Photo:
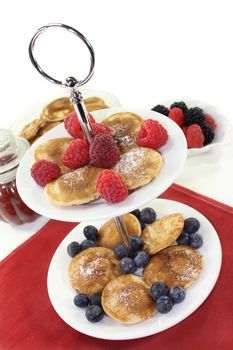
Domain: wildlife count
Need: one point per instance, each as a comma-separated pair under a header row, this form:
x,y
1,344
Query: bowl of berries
x,y
204,127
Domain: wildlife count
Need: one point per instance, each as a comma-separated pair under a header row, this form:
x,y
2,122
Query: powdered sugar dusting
x,y
130,161
93,268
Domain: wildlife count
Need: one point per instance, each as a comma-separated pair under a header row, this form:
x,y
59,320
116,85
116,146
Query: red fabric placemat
x,y
29,322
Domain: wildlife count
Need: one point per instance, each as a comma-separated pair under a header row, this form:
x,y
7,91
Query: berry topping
x,y
90,232
120,251
101,129
177,115
152,134
76,154
191,225
136,213
161,109
73,249
195,240
208,133
136,243
94,313
194,116
148,215
87,243
209,120
73,127
177,294
44,172
127,265
164,304
81,300
104,151
159,289
194,136
180,105
95,299
111,186
184,129
141,259
183,239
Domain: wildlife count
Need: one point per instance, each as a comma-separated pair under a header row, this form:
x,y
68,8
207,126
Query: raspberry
x,y
44,172
177,115
101,129
152,134
180,105
104,151
76,154
73,127
184,129
209,120
111,186
194,136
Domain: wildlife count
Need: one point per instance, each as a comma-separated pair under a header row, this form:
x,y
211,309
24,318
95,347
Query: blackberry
x,y
180,105
208,133
194,116
161,109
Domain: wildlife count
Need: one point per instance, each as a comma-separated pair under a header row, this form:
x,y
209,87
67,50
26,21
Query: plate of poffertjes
x,y
73,197
130,311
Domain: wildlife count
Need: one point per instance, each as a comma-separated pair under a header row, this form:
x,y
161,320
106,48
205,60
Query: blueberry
x,y
95,299
94,313
191,225
131,253
87,243
81,300
148,215
73,249
143,225
177,294
141,259
120,251
195,240
90,232
136,213
183,239
164,304
136,243
159,289
127,265
137,272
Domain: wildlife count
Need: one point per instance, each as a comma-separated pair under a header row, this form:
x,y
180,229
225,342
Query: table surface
x,y
140,64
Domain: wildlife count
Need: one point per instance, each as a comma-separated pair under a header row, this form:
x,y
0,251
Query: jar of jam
x,y
12,209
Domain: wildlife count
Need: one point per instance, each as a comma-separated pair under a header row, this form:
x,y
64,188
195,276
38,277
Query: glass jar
x,y
12,209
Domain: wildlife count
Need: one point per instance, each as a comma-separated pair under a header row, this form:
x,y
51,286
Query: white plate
x,y
174,155
34,111
61,294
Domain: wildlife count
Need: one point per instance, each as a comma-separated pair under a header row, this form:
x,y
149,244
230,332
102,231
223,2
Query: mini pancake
x,y
127,299
176,265
48,126
90,270
30,130
139,166
76,187
52,149
108,234
162,233
124,128
57,110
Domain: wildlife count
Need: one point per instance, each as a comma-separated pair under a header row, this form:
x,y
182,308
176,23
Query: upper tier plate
x,y
174,156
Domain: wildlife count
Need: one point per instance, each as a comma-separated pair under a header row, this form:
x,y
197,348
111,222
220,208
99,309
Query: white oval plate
x,y
174,156
61,293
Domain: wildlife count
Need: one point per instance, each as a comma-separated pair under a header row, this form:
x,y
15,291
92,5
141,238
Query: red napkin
x,y
29,322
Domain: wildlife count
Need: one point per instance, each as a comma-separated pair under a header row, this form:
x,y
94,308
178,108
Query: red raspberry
x,y
152,134
44,172
184,129
104,151
111,186
177,115
73,127
76,154
209,120
101,129
194,136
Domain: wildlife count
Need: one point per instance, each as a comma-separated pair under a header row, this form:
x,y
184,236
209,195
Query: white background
x,y
147,52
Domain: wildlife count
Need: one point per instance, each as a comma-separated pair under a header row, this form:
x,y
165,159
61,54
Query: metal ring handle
x,y
72,30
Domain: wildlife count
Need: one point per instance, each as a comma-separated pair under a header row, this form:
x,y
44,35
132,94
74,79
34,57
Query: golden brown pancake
x,y
76,187
139,166
127,299
162,233
48,126
52,149
57,110
124,128
90,270
30,130
176,265
109,236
